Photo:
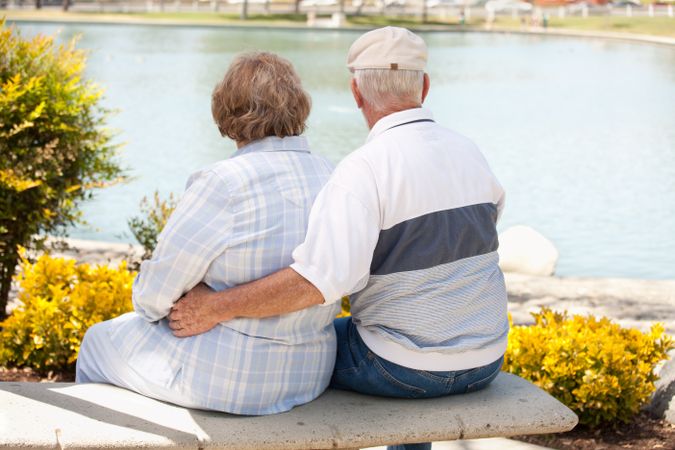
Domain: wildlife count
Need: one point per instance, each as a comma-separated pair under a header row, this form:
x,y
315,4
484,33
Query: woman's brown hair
x,y
260,95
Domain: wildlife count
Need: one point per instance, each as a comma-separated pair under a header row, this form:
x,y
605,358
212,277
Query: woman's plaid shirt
x,y
238,220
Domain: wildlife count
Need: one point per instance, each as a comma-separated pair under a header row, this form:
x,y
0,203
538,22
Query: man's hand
x,y
195,312
282,292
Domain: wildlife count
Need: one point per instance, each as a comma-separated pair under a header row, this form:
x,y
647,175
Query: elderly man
x,y
406,226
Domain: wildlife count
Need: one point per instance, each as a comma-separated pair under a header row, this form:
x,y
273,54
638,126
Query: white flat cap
x,y
388,48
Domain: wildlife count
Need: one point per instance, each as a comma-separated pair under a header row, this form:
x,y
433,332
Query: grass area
x,y
173,17
402,21
224,17
300,19
655,26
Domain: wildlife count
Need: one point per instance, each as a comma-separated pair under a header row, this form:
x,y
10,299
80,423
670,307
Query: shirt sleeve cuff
x,y
313,275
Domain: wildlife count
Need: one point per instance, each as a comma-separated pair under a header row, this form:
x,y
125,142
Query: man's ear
x,y
357,95
425,87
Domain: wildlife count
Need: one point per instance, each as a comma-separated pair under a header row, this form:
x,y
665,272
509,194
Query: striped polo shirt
x,y
406,225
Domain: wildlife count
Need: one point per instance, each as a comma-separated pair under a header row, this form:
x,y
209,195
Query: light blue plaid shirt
x,y
238,220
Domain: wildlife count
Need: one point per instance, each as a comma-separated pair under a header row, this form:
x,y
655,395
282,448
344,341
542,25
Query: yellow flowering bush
x,y
60,300
345,308
601,371
55,148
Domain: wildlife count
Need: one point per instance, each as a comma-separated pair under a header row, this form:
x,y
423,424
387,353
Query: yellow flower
x,y
602,371
59,302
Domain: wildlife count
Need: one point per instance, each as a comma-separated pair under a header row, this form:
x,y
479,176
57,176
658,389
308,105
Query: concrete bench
x,y
65,415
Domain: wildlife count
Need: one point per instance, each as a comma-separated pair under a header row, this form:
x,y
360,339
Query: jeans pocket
x,y
346,371
483,382
344,378
401,388
445,378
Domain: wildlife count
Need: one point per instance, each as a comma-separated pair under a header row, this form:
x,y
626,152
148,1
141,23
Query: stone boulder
x,y
662,404
524,250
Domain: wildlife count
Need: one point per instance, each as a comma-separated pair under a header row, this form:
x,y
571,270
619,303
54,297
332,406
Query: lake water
x,y
580,132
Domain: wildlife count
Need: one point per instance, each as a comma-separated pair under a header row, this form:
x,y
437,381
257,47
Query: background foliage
x,y
147,227
54,148
59,302
601,371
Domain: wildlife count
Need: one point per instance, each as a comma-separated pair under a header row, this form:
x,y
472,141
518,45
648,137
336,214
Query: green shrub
x,y
53,148
601,371
59,302
146,228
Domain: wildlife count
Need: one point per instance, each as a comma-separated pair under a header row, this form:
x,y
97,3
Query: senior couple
x,y
235,310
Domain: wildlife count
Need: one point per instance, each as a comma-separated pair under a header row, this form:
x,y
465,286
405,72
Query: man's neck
x,y
372,116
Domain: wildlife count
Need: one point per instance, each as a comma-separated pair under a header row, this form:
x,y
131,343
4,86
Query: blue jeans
x,y
359,369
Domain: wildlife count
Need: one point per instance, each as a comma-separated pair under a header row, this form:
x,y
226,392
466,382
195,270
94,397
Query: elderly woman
x,y
238,220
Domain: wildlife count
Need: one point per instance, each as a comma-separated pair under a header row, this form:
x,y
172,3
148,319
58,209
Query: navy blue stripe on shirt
x,y
437,238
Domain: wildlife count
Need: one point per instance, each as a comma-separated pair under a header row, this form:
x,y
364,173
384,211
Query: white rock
x,y
524,250
662,404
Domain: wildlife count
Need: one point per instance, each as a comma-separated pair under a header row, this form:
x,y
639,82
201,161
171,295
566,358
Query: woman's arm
x,y
194,236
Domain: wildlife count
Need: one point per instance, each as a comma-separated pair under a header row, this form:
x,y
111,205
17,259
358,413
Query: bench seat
x,y
85,416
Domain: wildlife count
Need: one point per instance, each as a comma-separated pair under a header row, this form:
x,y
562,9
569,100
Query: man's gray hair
x,y
385,89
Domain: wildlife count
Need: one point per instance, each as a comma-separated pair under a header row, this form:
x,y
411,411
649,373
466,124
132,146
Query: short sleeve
x,y
344,226
500,204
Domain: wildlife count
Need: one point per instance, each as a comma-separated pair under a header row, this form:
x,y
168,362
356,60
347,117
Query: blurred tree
x,y
244,10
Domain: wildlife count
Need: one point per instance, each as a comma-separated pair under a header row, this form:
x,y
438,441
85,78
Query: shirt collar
x,y
275,144
398,118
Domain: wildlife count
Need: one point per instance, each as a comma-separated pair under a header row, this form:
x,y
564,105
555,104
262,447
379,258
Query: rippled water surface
x,y
580,132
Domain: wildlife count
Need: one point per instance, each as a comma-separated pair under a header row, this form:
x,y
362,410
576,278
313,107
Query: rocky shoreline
x,y
631,302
